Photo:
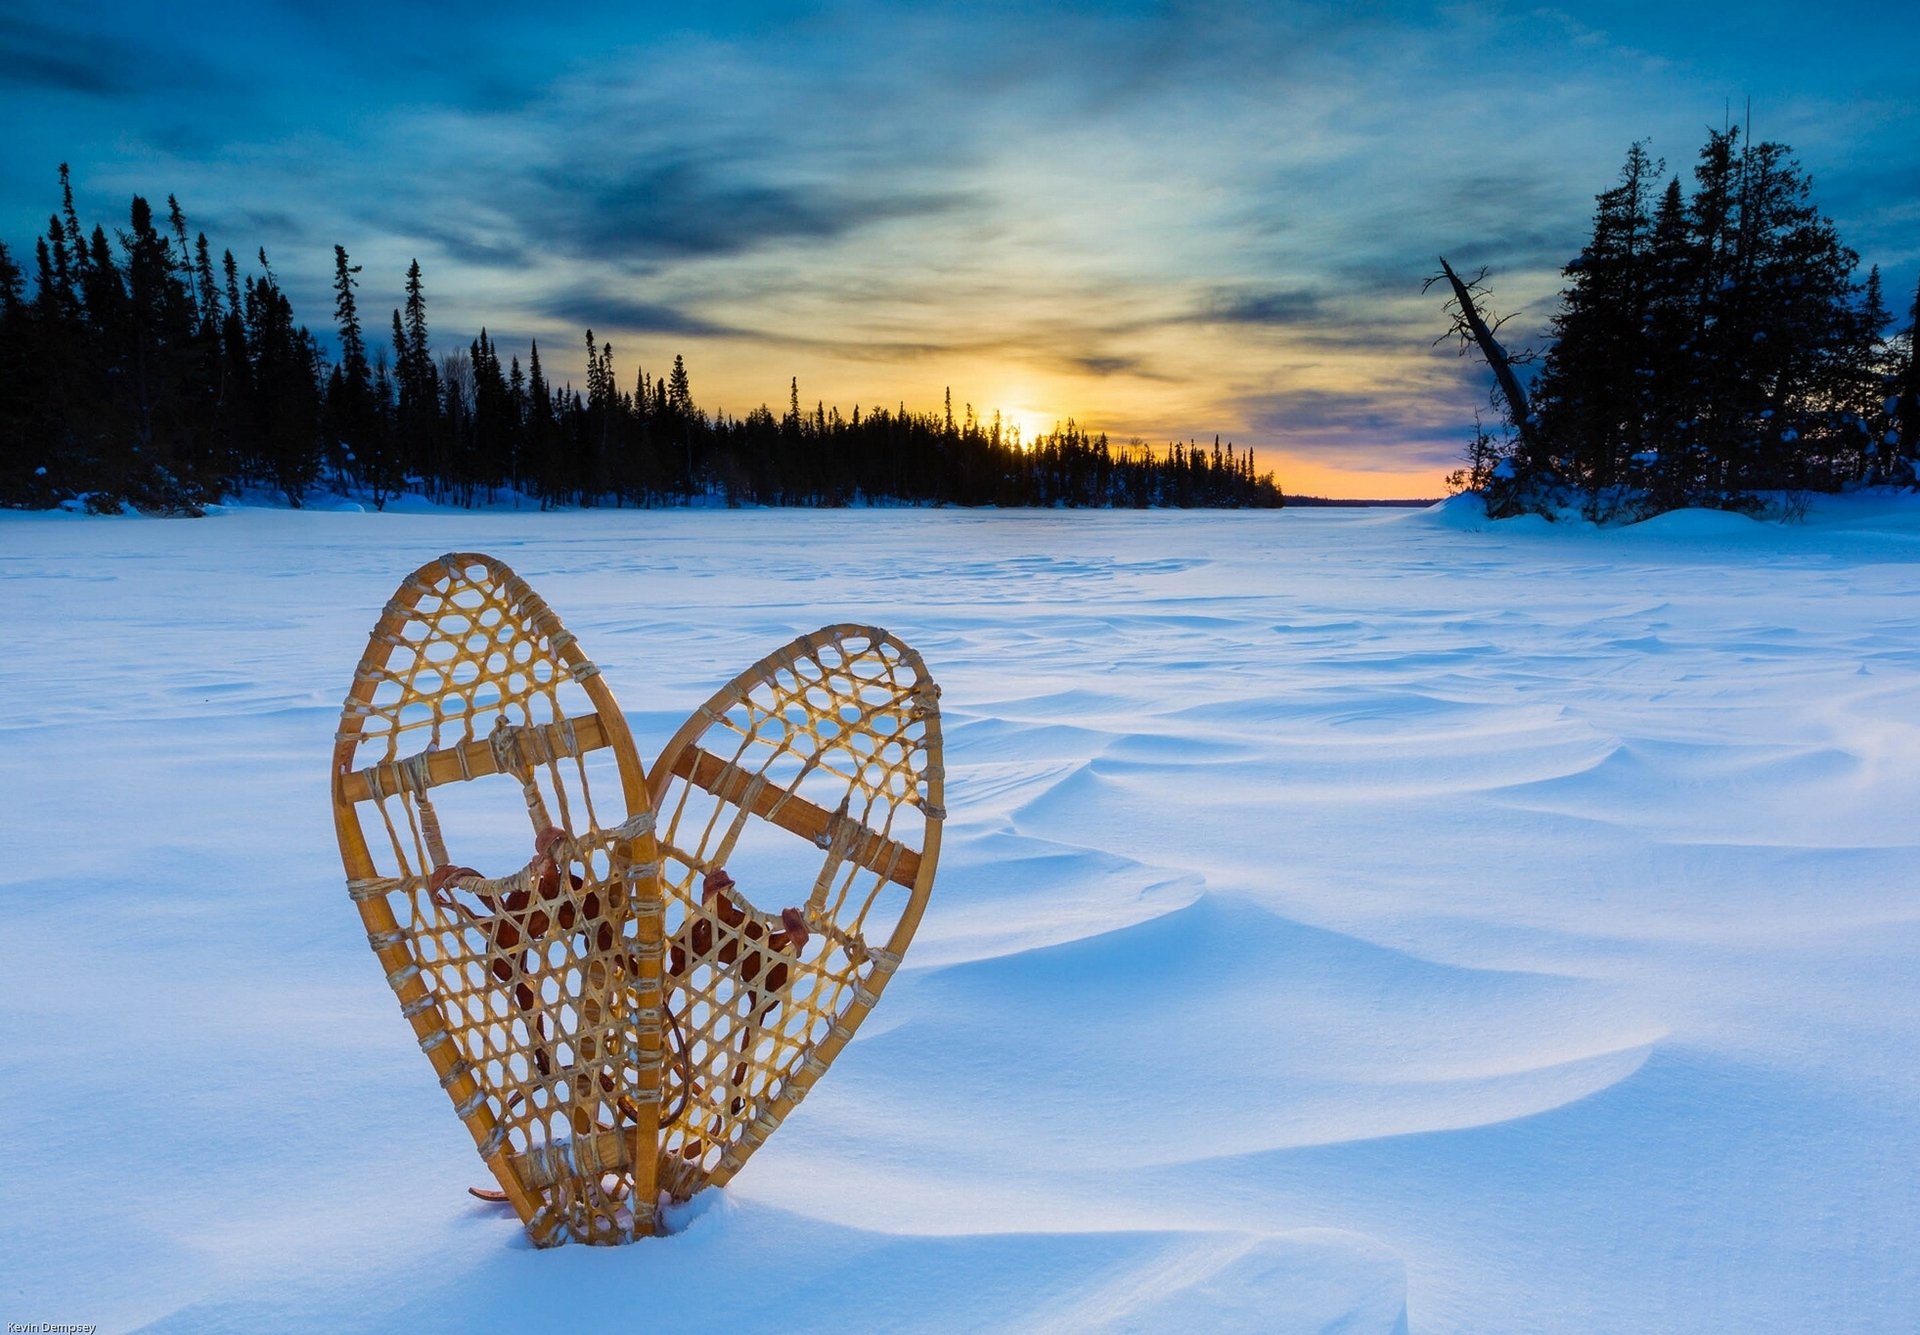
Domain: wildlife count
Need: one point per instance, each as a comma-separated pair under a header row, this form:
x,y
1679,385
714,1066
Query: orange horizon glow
x,y
1344,413
1020,403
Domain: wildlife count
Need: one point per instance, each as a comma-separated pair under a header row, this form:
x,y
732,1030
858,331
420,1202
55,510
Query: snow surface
x,y
1348,921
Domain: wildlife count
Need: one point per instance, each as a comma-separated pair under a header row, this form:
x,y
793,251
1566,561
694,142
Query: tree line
x,y
138,370
1709,346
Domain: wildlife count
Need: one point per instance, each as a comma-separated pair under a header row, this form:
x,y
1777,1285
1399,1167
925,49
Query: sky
x,y
1164,221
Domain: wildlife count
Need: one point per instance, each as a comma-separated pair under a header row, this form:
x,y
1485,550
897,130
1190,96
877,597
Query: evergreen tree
x,y
148,373
1707,348
1592,398
1673,466
182,254
460,471
418,419
361,449
21,475
679,388
543,435
492,415
67,225
353,347
1900,443
285,396
206,287
159,360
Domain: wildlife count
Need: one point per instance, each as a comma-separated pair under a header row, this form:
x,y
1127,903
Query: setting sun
x,y
1031,424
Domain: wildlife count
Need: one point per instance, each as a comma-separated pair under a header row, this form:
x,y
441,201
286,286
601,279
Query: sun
x,y
1031,423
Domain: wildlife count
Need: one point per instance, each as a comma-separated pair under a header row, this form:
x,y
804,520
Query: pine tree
x,y
183,255
419,424
22,478
350,415
1902,438
1710,349
207,288
517,425
492,414
542,432
1592,398
383,473
460,469
232,272
68,224
679,388
1860,413
353,347
1673,467
157,362
285,392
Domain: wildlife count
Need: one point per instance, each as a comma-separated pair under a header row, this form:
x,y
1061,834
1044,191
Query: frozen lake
x,y
1347,920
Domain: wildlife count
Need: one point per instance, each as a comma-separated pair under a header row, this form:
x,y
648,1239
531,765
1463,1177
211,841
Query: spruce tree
x,y
285,390
1902,438
1673,467
156,361
680,388
419,416
183,255
1712,349
360,452
22,477
207,289
542,433
353,347
1592,397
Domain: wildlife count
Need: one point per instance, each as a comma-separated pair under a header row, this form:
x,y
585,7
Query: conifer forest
x,y
137,369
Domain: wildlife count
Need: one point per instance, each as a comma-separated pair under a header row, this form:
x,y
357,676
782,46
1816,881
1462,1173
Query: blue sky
x,y
1163,220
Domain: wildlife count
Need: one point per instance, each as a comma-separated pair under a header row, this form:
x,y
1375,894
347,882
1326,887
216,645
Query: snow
x,y
1359,921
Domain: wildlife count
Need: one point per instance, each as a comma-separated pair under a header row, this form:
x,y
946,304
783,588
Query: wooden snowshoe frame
x,y
829,750
529,992
615,1019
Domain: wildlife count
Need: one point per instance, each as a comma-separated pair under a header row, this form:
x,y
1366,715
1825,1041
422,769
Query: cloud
x,y
1285,307
475,248
597,308
1106,365
685,208
43,68
54,58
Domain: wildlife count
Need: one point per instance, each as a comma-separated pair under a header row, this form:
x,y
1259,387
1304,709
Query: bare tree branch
x,y
1470,327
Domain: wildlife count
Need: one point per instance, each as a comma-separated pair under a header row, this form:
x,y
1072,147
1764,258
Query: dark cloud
x,y
1052,349
598,308
1358,429
479,249
1272,306
302,261
685,208
1106,365
67,74
54,58
1320,412
1346,320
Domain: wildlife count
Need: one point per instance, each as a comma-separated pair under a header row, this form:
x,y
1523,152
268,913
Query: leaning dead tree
x,y
1471,328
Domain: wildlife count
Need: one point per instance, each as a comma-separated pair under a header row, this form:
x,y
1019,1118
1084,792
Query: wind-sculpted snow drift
x,y
1349,921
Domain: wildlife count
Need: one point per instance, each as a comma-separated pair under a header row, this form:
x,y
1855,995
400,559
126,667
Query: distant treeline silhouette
x,y
1708,347
146,373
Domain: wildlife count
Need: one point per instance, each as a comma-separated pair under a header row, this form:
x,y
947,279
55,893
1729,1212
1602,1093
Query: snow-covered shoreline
x,y
1371,920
